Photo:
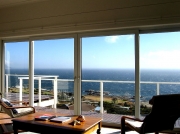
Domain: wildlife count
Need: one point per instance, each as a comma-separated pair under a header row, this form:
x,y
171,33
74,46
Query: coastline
x,y
120,100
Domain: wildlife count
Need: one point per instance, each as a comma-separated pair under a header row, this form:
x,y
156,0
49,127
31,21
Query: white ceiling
x,y
7,3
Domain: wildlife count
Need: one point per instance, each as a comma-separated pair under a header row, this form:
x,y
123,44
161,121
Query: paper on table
x,y
60,119
45,117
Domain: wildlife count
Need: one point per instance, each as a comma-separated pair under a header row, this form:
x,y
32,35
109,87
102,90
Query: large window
x,y
16,66
108,66
53,72
54,60
160,66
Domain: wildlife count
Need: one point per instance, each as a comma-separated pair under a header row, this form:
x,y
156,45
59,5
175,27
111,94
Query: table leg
x,y
99,128
15,129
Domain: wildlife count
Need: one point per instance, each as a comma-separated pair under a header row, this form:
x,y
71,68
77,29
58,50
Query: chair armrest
x,y
124,123
131,118
17,102
16,107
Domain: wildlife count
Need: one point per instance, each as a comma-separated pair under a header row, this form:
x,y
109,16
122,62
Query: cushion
x,y
22,110
3,99
9,105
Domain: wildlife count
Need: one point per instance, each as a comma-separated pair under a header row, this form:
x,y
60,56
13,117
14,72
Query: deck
x,y
109,118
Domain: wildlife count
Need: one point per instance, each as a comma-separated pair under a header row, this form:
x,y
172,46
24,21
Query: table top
x,y
89,121
5,121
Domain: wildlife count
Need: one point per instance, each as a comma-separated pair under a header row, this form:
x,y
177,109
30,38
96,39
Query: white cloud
x,y
112,39
7,64
129,37
161,59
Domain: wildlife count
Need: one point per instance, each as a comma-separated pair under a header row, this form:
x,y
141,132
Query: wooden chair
x,y
16,110
165,111
13,110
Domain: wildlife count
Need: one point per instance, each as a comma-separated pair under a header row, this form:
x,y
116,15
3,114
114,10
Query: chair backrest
x,y
165,111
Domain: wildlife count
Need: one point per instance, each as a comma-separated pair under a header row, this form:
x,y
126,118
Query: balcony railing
x,y
53,78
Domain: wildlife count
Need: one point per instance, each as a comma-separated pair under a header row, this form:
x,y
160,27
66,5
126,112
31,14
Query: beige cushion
x,y
20,110
134,123
23,111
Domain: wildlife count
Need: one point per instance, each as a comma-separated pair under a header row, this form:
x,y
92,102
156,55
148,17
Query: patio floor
x,y
109,118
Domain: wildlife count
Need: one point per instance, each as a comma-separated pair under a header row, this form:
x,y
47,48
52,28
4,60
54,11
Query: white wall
x,y
64,16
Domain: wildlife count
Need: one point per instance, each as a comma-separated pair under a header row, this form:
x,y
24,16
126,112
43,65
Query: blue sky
x,y
161,50
157,51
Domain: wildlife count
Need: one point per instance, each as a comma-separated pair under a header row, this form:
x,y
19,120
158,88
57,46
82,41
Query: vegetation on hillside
x,y
113,105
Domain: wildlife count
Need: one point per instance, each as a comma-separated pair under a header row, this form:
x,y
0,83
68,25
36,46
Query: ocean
x,y
115,89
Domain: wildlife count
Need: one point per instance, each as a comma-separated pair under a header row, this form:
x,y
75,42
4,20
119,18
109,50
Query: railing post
x,y
157,90
39,91
6,83
101,97
20,89
55,92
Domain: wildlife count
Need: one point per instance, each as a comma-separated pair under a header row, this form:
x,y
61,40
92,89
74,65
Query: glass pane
x,y
108,65
160,66
54,59
16,66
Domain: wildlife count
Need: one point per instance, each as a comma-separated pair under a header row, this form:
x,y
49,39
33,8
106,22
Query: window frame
x,y
78,57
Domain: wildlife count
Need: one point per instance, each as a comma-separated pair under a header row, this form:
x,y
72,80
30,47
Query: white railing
x,y
55,81
128,82
52,102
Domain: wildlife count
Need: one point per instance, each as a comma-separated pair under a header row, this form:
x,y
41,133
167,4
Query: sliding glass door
x,y
108,69
54,70
160,66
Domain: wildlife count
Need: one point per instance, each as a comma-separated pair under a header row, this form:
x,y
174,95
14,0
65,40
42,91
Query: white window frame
x,y
77,61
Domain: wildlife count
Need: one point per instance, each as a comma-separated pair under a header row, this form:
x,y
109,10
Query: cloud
x,y
161,59
7,64
112,39
129,37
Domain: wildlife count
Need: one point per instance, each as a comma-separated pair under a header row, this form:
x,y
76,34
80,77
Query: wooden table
x,y
28,123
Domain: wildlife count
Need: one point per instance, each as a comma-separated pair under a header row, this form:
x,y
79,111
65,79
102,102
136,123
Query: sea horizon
x,y
115,89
